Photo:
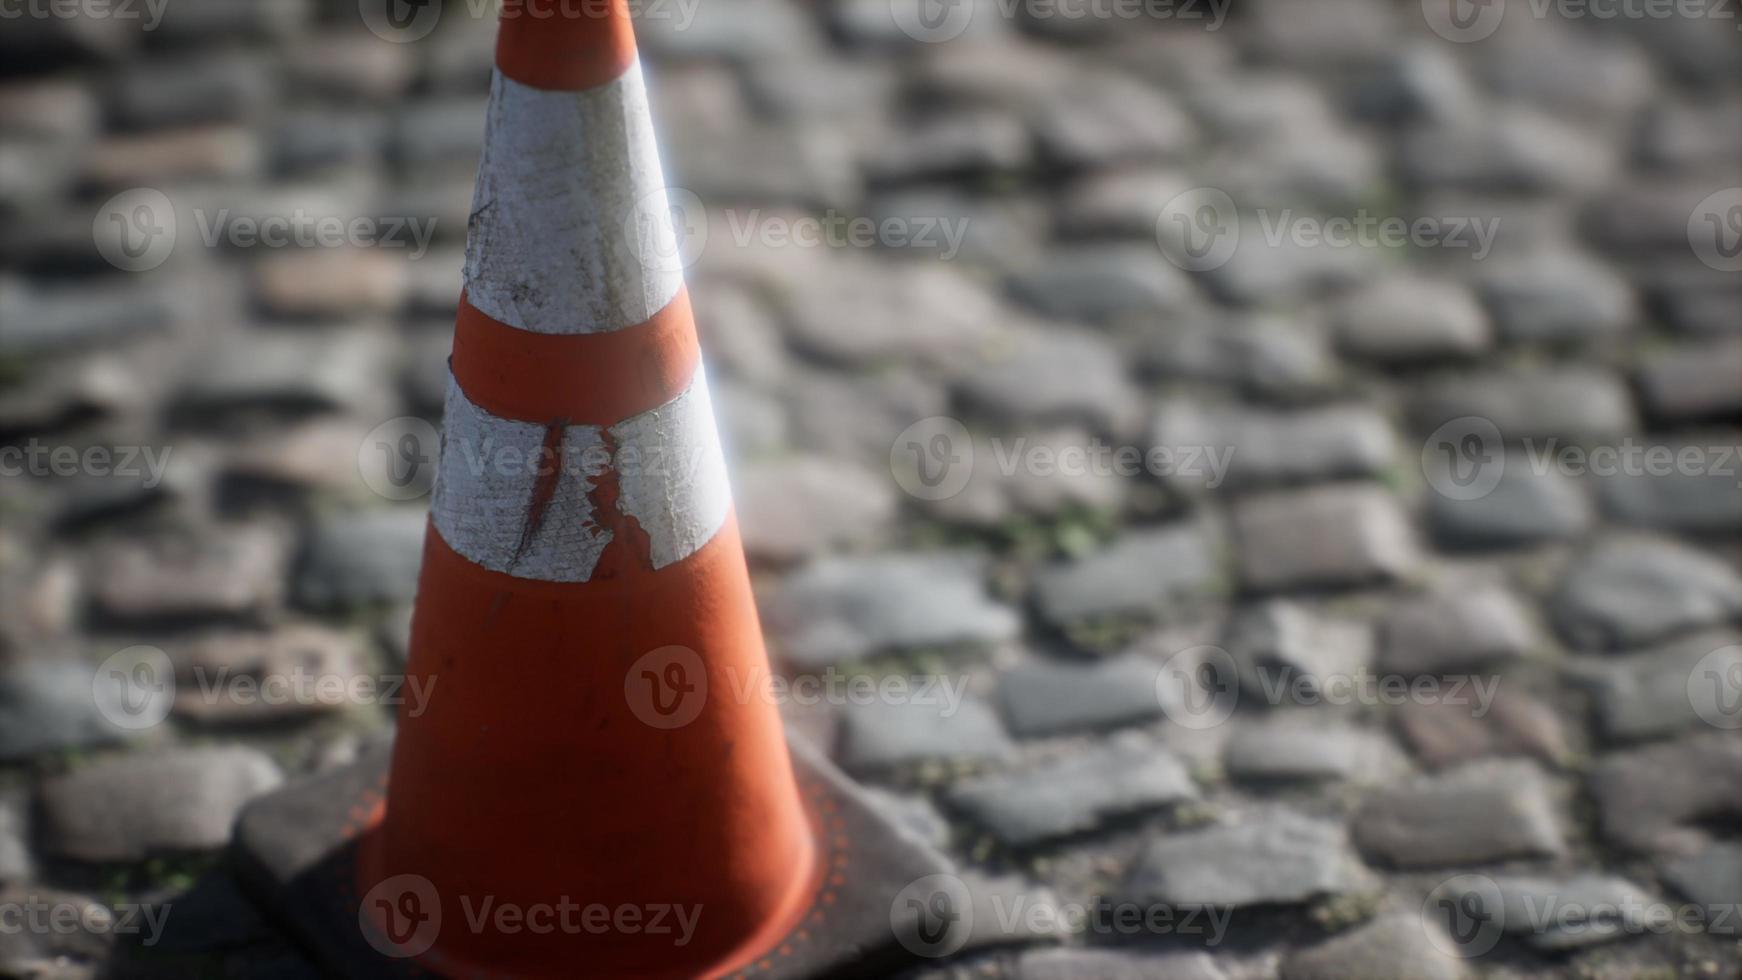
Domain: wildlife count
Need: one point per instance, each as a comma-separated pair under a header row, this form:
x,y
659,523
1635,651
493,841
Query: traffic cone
x,y
587,760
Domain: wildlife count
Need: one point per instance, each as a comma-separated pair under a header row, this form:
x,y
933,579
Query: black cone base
x,y
296,855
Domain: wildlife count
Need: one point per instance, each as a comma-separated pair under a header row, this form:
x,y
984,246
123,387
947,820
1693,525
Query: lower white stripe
x,y
570,231
667,463
482,500
679,496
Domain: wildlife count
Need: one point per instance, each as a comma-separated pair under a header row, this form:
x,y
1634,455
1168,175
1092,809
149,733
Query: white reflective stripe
x,y
570,230
670,473
678,491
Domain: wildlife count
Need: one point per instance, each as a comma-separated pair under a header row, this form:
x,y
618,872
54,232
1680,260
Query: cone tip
x,y
565,45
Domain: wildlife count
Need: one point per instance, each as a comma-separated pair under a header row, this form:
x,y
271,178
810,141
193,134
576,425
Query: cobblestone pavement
x,y
1242,481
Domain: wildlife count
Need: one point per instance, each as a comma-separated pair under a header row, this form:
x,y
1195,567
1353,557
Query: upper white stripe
x,y
670,473
570,230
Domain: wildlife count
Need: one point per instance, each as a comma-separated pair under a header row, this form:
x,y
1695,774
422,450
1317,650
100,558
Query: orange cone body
x,y
581,523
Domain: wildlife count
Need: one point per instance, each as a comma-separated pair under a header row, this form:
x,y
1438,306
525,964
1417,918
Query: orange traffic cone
x,y
587,791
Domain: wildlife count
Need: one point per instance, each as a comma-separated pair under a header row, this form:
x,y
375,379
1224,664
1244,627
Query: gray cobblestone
x,y
1478,814
1631,591
1075,793
1331,536
1269,858
126,808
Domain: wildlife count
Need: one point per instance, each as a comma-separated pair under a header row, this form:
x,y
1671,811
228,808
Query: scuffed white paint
x,y
670,472
482,500
677,491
